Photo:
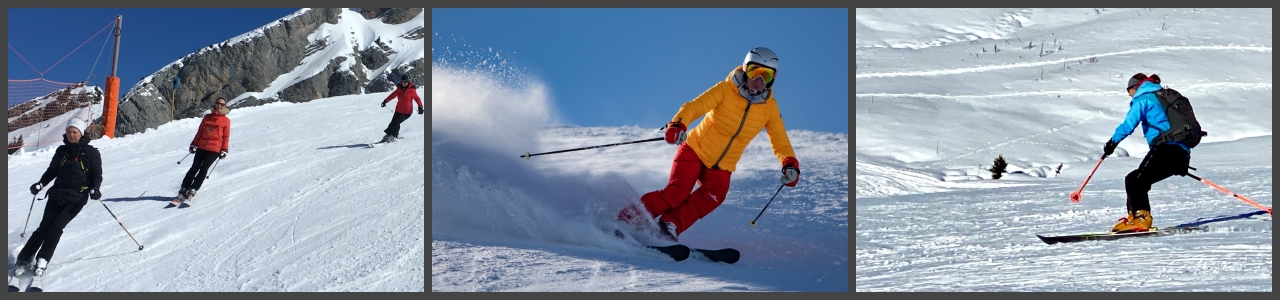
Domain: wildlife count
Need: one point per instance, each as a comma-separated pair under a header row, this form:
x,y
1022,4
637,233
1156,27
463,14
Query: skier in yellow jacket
x,y
736,110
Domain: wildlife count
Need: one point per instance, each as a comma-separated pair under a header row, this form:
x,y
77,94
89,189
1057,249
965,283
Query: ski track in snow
x,y
919,242
1057,61
289,210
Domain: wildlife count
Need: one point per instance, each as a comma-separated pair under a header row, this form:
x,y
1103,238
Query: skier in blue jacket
x,y
1163,160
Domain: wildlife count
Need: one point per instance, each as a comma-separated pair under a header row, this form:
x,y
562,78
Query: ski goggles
x,y
754,70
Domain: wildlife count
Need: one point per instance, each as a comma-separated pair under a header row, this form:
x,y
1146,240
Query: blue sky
x,y
151,39
615,67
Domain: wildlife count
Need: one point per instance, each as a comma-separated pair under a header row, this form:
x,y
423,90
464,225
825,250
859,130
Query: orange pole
x,y
1238,196
1075,196
113,87
109,107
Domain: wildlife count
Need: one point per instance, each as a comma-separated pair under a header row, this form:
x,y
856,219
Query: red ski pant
x,y
675,203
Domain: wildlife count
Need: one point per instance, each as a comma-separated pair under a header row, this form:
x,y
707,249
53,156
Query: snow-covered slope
x,y
503,223
300,204
932,80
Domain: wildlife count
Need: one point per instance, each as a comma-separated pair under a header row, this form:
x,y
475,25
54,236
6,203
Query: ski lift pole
x,y
172,94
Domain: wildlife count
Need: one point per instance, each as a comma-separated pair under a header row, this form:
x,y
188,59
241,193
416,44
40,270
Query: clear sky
x,y
151,38
616,67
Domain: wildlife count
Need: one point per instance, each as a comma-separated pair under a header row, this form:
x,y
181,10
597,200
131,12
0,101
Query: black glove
x,y
1108,148
223,155
192,149
35,188
384,104
420,110
96,194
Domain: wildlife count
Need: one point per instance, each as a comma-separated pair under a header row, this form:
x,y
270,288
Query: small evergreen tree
x,y
997,167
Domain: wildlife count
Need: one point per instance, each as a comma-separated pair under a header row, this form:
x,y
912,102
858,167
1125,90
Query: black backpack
x,y
1183,127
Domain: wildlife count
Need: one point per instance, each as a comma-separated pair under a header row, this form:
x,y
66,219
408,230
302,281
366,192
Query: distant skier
x,y
1166,158
209,145
736,110
78,170
403,93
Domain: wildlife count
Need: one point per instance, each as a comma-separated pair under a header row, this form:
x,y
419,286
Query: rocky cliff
x,y
308,55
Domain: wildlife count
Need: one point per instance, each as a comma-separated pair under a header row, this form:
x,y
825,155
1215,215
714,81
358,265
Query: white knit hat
x,y
78,124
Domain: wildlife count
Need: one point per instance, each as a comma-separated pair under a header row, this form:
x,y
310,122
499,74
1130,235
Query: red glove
x,y
790,171
675,133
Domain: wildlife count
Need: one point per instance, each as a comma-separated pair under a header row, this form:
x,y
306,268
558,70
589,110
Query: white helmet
x,y
761,56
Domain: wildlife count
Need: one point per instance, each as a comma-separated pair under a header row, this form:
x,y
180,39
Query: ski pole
x,y
1075,196
29,209
766,206
126,230
526,155
33,206
184,157
215,166
1238,196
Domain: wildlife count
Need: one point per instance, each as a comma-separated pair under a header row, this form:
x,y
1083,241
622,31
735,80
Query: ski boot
x,y
19,268
668,230
1135,222
186,197
178,200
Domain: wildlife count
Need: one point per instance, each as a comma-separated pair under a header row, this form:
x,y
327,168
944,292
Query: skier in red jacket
x,y
210,144
405,91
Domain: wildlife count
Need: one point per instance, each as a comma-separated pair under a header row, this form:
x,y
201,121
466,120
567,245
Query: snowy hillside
x,y
936,103
503,223
45,132
300,204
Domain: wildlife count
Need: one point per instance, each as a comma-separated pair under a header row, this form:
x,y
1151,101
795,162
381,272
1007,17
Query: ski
x,y
677,252
15,279
1197,225
34,287
681,252
1108,236
726,255
174,203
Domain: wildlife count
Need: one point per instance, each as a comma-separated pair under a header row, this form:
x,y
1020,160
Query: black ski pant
x,y
199,168
394,128
45,238
1163,161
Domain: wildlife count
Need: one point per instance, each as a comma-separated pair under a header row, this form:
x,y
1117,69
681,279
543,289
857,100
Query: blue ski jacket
x,y
1146,109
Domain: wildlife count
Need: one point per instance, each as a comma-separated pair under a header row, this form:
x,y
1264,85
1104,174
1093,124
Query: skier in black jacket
x,y
78,170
